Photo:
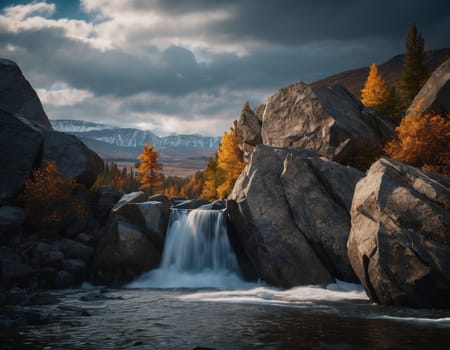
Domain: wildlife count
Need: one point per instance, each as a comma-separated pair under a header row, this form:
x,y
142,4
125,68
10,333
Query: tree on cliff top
x,y
414,72
149,175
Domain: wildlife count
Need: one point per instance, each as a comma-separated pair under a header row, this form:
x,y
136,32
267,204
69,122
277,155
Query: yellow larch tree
x,y
229,158
375,92
213,177
149,171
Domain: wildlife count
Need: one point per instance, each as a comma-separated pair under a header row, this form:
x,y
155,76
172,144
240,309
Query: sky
x,y
188,66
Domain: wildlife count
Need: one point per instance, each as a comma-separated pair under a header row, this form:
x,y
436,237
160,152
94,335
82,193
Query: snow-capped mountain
x,y
129,137
69,126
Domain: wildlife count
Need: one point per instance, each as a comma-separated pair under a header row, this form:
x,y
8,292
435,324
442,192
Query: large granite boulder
x,y
26,144
289,210
21,151
399,244
435,94
328,121
18,97
73,158
27,138
134,239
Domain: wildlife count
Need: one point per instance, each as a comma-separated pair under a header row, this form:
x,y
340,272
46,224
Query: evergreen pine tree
x,y
414,72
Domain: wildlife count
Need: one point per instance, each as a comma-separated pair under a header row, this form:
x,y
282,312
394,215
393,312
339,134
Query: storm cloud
x,y
188,66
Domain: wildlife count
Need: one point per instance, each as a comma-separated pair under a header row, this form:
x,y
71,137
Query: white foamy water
x,y
197,254
297,296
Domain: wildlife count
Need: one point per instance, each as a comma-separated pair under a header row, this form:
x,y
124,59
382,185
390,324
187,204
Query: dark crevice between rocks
x,y
318,251
368,283
328,188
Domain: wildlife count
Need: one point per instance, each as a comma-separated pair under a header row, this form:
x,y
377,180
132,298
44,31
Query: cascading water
x,y
197,254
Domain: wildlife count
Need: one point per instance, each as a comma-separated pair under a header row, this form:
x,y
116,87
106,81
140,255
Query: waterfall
x,y
197,254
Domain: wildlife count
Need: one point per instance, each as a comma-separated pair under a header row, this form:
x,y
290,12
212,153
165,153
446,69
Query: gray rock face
x,y
150,217
328,121
248,132
18,97
27,138
258,111
133,197
289,211
399,244
435,94
26,144
73,158
134,239
22,148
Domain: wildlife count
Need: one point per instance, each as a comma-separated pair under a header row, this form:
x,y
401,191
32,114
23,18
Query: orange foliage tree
x,y
213,177
229,158
377,94
423,140
49,199
149,175
375,91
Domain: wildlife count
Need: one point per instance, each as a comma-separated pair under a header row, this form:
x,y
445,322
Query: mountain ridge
x,y
132,137
353,80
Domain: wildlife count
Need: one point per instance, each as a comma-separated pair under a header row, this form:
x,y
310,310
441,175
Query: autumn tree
x,y
423,140
229,158
49,199
149,175
213,177
378,95
414,73
375,91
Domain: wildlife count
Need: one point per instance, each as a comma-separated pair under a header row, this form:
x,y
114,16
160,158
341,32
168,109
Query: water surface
x,y
338,317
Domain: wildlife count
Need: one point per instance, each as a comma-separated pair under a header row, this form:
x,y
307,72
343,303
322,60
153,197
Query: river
x,y
259,317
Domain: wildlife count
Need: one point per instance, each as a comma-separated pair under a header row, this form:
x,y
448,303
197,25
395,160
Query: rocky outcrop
x,y
248,132
45,263
134,239
22,148
328,121
289,210
17,96
26,144
73,158
399,244
27,138
435,94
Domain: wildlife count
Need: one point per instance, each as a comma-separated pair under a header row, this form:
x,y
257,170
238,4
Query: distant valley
x,y
181,155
